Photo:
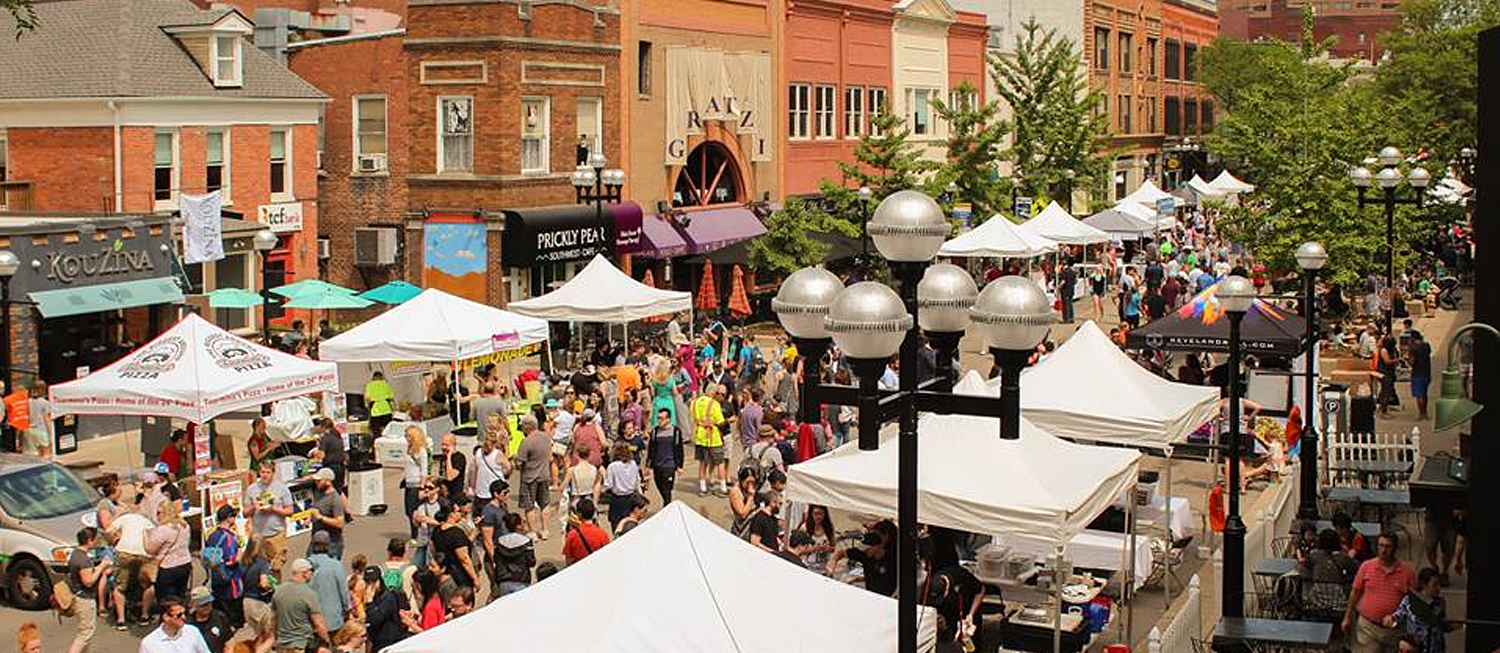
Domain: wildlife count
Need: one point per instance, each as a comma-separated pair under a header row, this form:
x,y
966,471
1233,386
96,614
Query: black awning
x,y
1202,325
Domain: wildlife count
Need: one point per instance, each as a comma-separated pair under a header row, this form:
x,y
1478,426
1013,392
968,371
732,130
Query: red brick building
x,y
1188,110
1357,24
123,106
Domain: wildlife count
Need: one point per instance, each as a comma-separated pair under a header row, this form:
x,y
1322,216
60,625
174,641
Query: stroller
x,y
1448,293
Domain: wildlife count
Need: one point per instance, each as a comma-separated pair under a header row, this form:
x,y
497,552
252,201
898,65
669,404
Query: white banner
x,y
709,85
202,227
282,217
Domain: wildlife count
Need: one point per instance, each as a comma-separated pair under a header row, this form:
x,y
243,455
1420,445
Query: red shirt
x,y
582,540
433,614
173,458
1382,588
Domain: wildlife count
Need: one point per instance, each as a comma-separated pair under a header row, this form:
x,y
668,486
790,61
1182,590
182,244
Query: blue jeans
x,y
508,587
419,556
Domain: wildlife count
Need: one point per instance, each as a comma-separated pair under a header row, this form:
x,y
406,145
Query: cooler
x,y
366,489
390,452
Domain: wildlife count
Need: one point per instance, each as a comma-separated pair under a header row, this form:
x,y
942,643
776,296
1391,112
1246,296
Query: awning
x,y
715,228
107,296
659,239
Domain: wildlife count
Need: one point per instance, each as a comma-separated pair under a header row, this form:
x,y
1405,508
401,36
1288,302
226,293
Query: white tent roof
x,y
1090,390
1202,188
195,371
998,237
434,326
600,292
1226,183
972,480
1147,194
1056,224
688,587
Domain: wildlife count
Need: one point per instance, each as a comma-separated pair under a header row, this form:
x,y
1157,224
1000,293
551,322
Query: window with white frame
x,y
369,127
798,110
854,111
590,127
281,164
164,185
961,101
455,134
823,110
535,134
877,105
919,110
227,64
216,162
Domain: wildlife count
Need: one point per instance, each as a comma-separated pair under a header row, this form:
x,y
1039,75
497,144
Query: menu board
x,y
218,495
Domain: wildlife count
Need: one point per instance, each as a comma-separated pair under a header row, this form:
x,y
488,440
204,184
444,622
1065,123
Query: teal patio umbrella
x,y
306,286
395,292
323,299
234,298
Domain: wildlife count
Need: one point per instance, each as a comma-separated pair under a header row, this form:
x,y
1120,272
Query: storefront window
x,y
710,177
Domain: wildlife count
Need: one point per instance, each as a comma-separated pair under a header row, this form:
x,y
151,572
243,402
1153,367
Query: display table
x,y
1090,549
1154,513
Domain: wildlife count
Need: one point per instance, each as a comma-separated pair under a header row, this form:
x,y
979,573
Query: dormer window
x,y
228,64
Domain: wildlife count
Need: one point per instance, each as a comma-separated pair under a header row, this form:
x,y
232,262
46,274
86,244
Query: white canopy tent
x,y
434,326
195,371
1227,184
1147,194
692,587
1056,224
602,293
1120,224
1203,189
1000,238
1089,390
971,480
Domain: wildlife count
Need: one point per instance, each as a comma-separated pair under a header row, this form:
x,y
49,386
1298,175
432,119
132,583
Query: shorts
x,y
535,494
1419,386
259,617
707,454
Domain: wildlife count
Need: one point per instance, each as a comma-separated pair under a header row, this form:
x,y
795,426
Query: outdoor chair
x,y
1324,601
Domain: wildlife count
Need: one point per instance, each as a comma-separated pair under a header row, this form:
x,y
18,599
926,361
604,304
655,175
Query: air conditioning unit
x,y
372,163
325,249
375,246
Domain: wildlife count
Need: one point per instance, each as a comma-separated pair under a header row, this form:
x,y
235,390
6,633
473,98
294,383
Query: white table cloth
x,y
1152,514
1090,549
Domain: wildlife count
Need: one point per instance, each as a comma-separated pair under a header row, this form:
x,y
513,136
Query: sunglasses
x,y
176,614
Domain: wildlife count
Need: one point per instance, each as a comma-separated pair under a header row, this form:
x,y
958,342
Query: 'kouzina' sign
x,y
67,267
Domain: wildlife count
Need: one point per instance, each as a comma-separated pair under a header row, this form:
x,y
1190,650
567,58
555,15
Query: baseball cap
x,y
200,595
324,474
301,565
150,477
162,468
552,403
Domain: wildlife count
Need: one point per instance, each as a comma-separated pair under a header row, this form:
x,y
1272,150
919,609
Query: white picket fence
x,y
1185,626
1352,447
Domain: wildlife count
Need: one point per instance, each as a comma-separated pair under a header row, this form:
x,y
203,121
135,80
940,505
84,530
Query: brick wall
x,y
250,167
71,169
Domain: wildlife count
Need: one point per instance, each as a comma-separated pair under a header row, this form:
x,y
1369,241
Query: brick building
x,y
119,107
1187,110
1121,42
1357,24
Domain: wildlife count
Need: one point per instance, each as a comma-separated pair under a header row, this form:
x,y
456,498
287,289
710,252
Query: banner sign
x,y
711,85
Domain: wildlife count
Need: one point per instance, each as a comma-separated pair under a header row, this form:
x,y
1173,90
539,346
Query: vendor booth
x,y
1227,184
602,293
1056,224
692,587
998,237
1121,225
1201,325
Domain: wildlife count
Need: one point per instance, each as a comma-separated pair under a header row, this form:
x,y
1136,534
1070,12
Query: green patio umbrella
x,y
327,299
305,286
395,292
234,298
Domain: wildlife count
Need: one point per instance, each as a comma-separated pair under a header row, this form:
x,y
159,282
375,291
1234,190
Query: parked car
x,y
42,507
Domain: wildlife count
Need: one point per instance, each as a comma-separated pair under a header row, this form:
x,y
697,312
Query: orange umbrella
x,y
649,279
708,296
739,300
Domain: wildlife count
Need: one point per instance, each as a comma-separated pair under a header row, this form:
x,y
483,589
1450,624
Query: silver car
x,y
42,507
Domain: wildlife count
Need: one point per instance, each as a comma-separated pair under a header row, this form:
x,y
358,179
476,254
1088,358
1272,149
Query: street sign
x,y
1022,207
963,213
1165,206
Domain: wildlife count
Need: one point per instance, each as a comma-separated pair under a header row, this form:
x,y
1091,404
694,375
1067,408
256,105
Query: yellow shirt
x,y
707,415
378,396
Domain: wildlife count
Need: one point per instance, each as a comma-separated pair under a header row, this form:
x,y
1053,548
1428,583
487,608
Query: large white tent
x,y
1203,189
1226,183
600,292
970,479
1147,194
434,326
998,237
1123,225
1055,224
678,583
1089,390
195,371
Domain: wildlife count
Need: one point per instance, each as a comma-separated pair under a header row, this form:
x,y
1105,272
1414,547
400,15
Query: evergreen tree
x,y
975,137
1059,122
884,159
787,244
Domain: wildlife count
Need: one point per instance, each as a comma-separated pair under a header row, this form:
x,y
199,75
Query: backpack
x,y
757,464
63,601
392,578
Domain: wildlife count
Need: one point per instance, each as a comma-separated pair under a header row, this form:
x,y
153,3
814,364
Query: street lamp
x,y
593,183
1389,179
264,241
1453,408
870,322
1311,257
1235,295
9,264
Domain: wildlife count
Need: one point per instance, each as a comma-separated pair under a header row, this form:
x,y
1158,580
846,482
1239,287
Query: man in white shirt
x,y
174,635
129,532
268,503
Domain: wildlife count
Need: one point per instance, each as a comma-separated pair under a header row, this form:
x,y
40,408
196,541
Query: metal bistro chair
x,y
1164,551
1324,601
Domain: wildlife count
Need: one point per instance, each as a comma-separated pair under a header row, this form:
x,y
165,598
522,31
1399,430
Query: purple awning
x,y
659,239
712,229
627,216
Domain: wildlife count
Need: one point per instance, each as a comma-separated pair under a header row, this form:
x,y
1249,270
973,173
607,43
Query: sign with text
x,y
281,217
730,88
1022,208
1165,206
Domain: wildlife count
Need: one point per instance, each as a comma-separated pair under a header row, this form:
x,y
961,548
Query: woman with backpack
x,y
664,455
382,610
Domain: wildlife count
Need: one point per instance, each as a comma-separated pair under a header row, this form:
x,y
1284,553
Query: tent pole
x,y
1129,592
1057,583
1166,581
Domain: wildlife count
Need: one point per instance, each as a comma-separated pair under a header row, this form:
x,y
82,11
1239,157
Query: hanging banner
x,y
202,227
710,85
336,407
454,257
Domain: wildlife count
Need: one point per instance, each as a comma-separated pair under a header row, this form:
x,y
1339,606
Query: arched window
x,y
709,177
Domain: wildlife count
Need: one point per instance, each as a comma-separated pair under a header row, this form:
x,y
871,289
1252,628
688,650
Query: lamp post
x,y
9,264
1453,408
1235,295
264,241
1389,178
865,195
1311,257
594,184
870,322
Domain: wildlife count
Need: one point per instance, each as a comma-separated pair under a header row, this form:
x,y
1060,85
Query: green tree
x,y
885,160
976,135
1431,75
23,13
1059,124
787,244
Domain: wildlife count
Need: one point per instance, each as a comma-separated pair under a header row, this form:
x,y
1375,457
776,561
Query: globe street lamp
x,y
1389,179
1311,257
870,322
1235,295
594,184
264,241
